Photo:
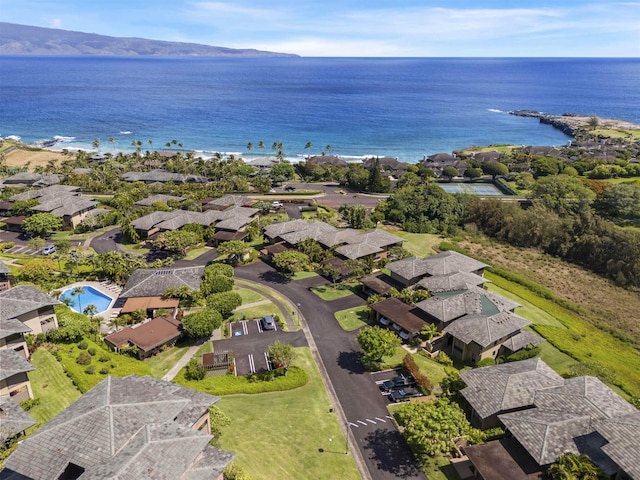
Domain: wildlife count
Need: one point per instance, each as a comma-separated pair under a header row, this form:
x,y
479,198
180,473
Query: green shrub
x,y
234,472
528,352
104,370
218,419
92,351
421,380
193,370
83,345
443,359
91,369
29,403
224,302
104,357
486,362
83,359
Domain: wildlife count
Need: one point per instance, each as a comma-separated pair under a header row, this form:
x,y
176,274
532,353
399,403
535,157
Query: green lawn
x,y
51,385
303,275
256,312
196,252
623,180
248,296
430,368
354,318
560,362
118,365
418,244
341,290
161,363
528,310
280,434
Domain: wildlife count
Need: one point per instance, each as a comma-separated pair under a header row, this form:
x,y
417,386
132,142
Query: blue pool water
x,y
483,190
91,296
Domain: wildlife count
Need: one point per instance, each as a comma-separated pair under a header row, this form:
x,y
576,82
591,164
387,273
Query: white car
x,y
277,205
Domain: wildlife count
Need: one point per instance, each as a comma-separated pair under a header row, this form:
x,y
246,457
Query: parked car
x,y
404,394
289,188
48,250
267,323
398,382
277,205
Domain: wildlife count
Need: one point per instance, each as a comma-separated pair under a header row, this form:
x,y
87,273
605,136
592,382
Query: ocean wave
x,y
13,138
126,132
63,139
494,110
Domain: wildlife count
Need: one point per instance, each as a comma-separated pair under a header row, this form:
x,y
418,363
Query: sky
x,y
358,28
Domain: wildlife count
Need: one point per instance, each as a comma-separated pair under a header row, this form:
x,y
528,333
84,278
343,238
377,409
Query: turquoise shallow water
x,y
399,107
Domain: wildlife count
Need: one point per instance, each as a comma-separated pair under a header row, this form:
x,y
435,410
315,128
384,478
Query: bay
x,y
399,107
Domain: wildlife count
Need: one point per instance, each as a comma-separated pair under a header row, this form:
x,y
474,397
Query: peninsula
x,y
28,40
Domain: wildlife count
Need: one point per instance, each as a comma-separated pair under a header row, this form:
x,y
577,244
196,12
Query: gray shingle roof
x,y
409,268
547,434
451,282
507,386
354,251
585,396
13,363
522,339
13,419
44,192
9,326
485,330
148,221
277,229
622,435
4,269
228,200
122,428
147,282
314,230
450,262
23,299
161,176
337,237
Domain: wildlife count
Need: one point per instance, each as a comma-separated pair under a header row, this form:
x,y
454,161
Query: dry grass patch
x,y
19,158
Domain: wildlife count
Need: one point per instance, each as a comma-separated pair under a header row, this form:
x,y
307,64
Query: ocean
x,y
398,107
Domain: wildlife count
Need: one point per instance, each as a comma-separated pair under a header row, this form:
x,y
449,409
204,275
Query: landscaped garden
x,y
354,318
333,292
295,425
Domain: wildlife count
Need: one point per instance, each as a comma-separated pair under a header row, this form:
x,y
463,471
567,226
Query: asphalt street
x,y
384,449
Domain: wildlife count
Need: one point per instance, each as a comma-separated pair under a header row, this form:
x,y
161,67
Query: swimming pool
x,y
472,189
91,296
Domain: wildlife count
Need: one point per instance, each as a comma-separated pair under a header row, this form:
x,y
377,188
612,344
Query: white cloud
x,y
55,23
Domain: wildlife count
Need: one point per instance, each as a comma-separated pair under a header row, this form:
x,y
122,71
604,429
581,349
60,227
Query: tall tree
x,y
571,466
41,224
281,354
377,342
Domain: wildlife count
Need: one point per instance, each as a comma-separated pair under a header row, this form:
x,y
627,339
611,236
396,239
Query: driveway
x,y
107,242
383,448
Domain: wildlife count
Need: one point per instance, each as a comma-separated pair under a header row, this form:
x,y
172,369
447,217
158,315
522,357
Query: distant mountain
x,y
27,40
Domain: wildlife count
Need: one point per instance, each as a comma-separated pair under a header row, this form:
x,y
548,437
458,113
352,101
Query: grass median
x,y
281,434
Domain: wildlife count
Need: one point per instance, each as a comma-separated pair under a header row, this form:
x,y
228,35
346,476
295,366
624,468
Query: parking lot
x,y
249,344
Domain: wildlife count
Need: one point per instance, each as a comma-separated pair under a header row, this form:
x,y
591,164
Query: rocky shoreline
x,y
569,123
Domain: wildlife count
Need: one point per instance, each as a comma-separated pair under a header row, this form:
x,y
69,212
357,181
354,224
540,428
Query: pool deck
x,y
111,290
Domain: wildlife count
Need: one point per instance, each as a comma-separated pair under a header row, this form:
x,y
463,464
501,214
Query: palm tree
x,y
308,146
77,292
571,466
261,144
96,144
112,141
249,146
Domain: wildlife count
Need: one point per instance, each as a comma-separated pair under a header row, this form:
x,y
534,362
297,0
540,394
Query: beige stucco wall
x,y
33,320
15,342
15,383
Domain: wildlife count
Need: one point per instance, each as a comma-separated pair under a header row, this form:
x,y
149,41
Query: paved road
x,y
384,449
107,241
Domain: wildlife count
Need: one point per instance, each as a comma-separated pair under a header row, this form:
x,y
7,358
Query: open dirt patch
x,y
19,158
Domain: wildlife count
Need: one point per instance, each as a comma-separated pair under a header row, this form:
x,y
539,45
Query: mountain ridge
x,y
16,39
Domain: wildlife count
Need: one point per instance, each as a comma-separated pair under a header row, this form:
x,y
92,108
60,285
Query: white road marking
x,y
252,365
353,425
361,422
378,418
245,329
389,417
371,421
266,359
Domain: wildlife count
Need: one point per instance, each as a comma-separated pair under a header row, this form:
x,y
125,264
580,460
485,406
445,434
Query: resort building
x,y
162,176
24,309
5,271
145,288
409,271
14,382
13,420
147,337
132,427
548,416
160,198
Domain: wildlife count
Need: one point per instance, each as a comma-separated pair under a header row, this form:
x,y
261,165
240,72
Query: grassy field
x,y
418,244
51,386
162,362
256,312
354,318
303,275
248,296
280,434
623,180
432,369
583,341
118,365
341,290
528,310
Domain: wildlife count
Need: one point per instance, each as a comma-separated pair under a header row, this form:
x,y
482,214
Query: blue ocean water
x,y
400,107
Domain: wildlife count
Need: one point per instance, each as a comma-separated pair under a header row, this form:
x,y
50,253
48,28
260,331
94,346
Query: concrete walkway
x,y
171,374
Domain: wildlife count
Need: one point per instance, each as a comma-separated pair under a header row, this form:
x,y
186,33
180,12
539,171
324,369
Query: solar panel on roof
x,y
164,272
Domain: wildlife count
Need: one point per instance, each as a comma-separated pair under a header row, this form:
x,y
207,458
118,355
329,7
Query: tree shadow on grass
x,y
351,361
390,452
